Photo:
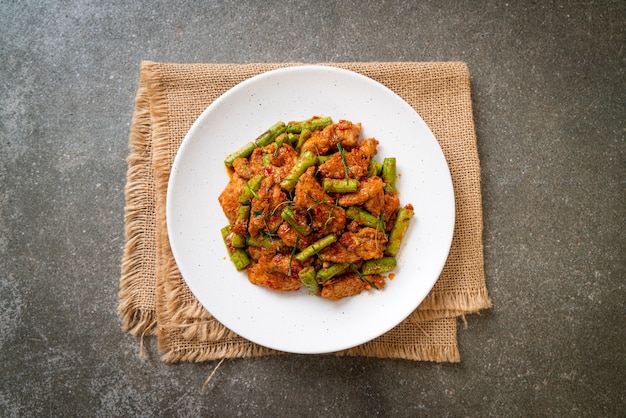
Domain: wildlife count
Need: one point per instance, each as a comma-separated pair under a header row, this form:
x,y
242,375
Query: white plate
x,y
298,322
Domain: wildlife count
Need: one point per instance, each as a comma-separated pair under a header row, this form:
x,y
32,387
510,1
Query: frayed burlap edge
x,y
465,304
138,318
197,350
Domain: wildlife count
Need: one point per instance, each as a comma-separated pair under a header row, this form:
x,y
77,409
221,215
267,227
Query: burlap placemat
x,y
154,298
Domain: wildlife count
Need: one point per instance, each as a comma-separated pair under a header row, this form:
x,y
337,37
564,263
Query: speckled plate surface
x,y
299,322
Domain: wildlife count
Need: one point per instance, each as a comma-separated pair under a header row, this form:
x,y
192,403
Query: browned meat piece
x,y
370,194
242,168
280,263
366,244
257,252
368,146
289,236
343,131
338,253
326,217
265,210
274,281
229,198
390,208
255,163
349,285
356,160
284,157
319,143
270,161
347,133
353,225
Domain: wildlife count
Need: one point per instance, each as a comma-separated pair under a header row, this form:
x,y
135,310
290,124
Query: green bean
x,y
243,213
265,242
304,135
362,216
307,159
378,265
374,168
240,226
317,246
225,233
340,185
331,271
270,135
288,215
240,259
265,159
400,226
250,189
307,277
238,256
314,124
243,152
290,139
323,158
237,241
293,139
389,174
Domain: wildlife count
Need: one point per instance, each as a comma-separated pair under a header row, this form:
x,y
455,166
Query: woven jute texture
x,y
154,299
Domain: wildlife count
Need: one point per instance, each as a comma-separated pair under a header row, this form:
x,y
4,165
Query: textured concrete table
x,y
548,83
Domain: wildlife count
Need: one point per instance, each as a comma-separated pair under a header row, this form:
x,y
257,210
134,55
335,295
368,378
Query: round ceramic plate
x,y
298,322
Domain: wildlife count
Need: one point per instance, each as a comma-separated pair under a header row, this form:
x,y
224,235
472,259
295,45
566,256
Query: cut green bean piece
x,y
265,159
270,135
378,265
283,138
237,241
304,135
374,168
315,124
289,215
250,189
340,185
398,231
243,152
265,242
238,256
293,139
362,216
307,277
389,174
240,226
307,159
243,213
323,158
314,248
225,236
331,271
280,140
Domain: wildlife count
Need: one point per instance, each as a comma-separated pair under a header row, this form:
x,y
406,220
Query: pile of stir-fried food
x,y
308,205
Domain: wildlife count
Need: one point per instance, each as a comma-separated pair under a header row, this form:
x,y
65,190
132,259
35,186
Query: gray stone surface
x,y
548,85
